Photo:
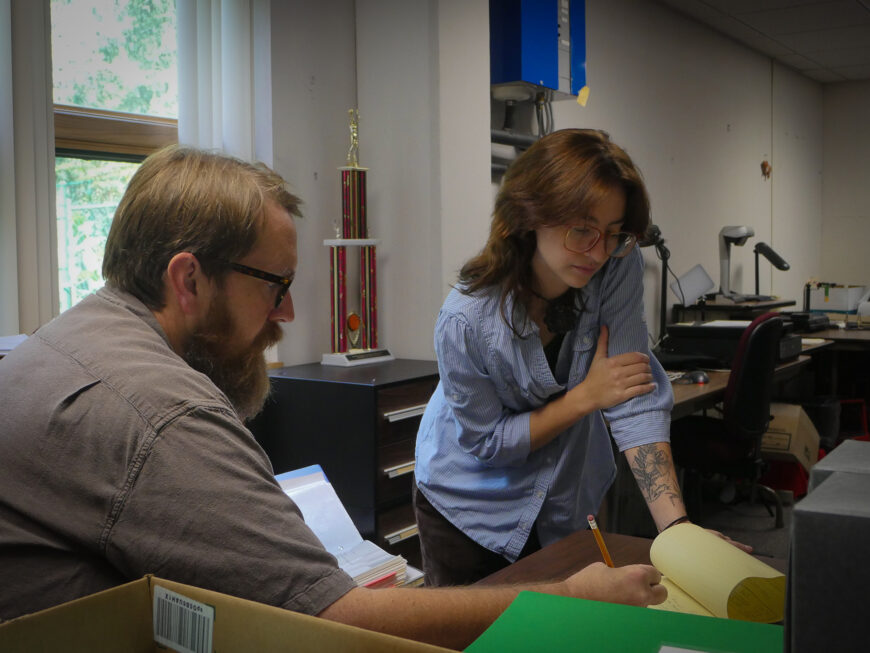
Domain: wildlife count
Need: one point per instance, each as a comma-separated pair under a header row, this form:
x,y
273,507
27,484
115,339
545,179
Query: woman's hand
x,y
612,380
742,547
631,585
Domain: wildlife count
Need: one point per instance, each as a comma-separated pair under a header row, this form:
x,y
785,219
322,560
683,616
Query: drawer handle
x,y
405,413
399,470
402,534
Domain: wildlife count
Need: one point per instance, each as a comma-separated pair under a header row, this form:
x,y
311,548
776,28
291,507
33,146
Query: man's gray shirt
x,y
117,459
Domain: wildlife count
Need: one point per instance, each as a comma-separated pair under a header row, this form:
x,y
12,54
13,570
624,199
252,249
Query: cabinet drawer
x,y
395,472
400,408
396,525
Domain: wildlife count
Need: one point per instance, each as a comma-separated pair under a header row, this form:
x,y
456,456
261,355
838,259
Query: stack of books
x,y
367,563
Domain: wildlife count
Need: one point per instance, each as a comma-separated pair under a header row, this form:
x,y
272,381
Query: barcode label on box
x,y
182,623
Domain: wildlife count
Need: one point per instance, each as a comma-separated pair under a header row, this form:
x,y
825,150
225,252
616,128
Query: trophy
x,y
354,336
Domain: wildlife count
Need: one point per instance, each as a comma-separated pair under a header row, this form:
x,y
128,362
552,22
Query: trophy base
x,y
356,357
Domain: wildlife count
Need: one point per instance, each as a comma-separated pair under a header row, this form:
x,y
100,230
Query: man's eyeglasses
x,y
282,282
581,239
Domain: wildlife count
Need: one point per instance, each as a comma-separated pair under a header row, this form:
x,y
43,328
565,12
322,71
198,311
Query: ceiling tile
x,y
855,73
700,11
843,57
827,39
807,18
798,61
763,44
824,76
745,6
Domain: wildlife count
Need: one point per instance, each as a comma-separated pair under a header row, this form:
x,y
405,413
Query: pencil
x,y
600,540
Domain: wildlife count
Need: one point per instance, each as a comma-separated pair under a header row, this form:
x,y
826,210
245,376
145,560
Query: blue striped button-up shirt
x,y
474,462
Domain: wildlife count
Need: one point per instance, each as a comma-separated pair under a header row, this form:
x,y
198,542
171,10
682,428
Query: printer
x,y
713,344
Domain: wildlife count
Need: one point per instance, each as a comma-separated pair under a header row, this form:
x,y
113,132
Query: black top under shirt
x,y
551,351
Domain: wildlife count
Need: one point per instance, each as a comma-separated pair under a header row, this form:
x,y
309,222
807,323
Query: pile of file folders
x,y
712,345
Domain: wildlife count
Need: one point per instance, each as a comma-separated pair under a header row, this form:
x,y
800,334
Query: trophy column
x,y
354,336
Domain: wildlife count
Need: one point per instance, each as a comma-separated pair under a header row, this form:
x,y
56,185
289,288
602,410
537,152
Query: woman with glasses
x,y
542,346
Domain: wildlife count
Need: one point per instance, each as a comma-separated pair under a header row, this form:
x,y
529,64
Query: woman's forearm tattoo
x,y
652,467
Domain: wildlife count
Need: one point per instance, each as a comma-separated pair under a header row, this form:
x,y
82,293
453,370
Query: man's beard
x,y
241,375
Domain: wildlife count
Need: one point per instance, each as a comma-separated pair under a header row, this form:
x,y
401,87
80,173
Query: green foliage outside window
x,y
118,55
87,194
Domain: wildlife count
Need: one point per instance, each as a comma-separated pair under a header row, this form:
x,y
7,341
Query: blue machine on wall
x,y
538,42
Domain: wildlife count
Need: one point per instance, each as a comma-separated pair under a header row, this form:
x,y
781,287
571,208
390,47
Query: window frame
x,y
103,135
87,133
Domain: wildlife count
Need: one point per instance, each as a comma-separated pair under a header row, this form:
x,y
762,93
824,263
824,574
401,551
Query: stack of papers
x,y
371,566
367,563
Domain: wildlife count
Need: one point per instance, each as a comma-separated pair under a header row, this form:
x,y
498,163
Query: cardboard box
x,y
129,618
843,298
790,435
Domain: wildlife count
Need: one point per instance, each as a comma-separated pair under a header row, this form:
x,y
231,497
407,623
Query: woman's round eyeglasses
x,y
581,239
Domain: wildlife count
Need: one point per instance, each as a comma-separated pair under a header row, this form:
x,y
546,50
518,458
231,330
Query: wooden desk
x,y
843,342
844,339
570,554
693,397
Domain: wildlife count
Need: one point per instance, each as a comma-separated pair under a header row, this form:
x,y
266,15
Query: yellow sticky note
x,y
583,96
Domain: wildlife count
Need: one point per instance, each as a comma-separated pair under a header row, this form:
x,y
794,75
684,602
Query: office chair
x,y
731,446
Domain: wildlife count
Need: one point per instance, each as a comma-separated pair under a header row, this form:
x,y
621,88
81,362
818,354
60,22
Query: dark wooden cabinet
x,y
360,425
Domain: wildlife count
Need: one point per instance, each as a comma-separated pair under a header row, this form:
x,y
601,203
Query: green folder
x,y
543,622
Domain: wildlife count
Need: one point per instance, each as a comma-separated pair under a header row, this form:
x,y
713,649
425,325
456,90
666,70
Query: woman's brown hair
x,y
186,200
556,181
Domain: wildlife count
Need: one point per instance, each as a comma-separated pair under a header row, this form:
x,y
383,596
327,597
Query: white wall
x,y
846,187
697,111
313,86
796,182
423,88
397,63
419,73
464,127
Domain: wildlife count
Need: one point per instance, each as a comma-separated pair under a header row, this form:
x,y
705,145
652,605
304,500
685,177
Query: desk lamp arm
x,y
775,259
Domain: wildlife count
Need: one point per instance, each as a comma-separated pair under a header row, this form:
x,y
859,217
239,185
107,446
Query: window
x,y
115,102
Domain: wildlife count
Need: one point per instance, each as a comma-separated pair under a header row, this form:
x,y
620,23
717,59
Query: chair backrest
x,y
746,407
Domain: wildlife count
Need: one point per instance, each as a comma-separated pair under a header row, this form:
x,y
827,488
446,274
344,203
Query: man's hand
x,y
632,584
612,380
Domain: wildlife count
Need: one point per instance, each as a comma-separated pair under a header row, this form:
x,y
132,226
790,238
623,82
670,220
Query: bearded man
x,y
123,449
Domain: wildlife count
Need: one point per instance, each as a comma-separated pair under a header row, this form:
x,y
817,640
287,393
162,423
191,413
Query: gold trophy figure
x,y
353,151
